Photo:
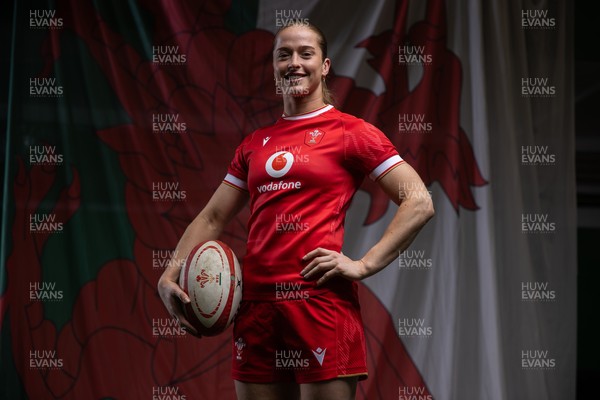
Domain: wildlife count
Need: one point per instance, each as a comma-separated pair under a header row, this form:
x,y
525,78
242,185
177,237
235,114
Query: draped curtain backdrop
x,y
122,119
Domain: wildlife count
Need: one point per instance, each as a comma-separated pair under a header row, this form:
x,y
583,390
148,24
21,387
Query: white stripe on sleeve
x,y
385,166
235,181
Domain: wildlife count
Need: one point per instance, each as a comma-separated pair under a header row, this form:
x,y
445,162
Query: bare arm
x,y
404,186
224,204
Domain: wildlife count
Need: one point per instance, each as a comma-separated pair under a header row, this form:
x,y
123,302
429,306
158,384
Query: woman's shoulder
x,y
352,122
258,133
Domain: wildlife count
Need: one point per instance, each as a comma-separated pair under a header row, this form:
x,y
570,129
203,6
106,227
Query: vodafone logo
x,y
279,164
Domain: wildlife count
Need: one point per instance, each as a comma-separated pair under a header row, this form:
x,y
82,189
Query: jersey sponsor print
x,y
301,174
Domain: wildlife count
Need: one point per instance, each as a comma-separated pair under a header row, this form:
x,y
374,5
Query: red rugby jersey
x,y
301,174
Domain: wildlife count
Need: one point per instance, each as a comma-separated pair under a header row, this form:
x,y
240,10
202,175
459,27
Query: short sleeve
x,y
237,173
369,150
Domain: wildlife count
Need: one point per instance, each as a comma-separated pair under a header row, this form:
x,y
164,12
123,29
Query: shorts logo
x,y
279,164
239,346
319,355
313,137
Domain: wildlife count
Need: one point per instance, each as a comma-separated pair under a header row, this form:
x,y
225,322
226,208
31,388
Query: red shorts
x,y
309,340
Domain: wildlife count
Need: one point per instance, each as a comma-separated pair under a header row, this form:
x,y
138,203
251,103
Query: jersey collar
x,y
308,114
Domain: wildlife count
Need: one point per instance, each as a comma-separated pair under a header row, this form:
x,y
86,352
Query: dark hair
x,y
327,95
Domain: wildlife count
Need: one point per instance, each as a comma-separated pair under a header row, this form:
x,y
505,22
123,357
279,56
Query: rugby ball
x,y
212,278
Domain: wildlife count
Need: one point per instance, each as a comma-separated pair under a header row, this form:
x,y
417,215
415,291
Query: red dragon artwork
x,y
223,91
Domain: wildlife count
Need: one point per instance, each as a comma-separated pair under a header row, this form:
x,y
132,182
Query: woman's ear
x,y
326,65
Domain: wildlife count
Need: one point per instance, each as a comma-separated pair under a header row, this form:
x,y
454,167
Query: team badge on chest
x,y
314,137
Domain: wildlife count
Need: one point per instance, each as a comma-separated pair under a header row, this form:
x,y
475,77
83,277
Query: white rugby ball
x,y
212,278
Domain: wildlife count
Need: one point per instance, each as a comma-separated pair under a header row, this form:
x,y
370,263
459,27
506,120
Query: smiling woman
x,y
290,78
299,331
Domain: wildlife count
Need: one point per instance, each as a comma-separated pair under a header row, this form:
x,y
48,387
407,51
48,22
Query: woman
x,y
298,333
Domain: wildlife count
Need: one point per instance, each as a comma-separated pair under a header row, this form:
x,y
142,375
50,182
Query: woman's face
x,y
298,62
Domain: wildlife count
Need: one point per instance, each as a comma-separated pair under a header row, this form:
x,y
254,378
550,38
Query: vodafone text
x,y
281,185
